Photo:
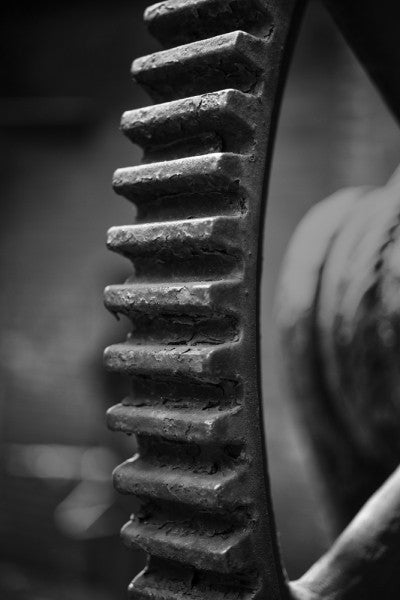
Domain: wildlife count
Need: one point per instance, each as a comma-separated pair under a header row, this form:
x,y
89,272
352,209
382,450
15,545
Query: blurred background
x,y
65,75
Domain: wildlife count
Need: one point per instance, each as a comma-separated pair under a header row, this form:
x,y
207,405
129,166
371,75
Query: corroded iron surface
x,y
206,520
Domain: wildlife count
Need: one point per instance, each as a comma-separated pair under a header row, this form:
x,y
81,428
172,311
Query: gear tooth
x,y
205,123
143,477
201,362
233,60
209,298
193,425
225,552
192,300
194,186
210,174
178,21
178,240
163,580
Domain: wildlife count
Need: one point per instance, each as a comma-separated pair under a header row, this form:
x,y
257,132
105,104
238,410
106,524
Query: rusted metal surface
x,y
206,519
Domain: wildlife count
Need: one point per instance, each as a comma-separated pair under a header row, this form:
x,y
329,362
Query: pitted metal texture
x,y
192,356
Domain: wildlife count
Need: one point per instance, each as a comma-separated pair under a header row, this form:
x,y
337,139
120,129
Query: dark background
x,y
65,81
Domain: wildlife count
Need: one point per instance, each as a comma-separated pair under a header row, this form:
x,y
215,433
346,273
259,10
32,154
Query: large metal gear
x,y
193,355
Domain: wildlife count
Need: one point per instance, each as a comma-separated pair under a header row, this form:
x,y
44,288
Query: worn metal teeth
x,y
183,540
212,122
192,301
203,248
200,362
215,176
178,21
210,426
191,313
222,490
189,187
232,60
213,298
162,580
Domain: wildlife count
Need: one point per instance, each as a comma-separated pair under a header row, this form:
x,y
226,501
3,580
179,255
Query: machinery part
x,y
206,519
341,337
193,358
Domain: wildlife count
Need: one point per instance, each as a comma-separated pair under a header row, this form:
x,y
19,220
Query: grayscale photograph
x,y
200,308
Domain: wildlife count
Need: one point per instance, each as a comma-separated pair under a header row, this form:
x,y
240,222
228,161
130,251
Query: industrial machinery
x,y
193,357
